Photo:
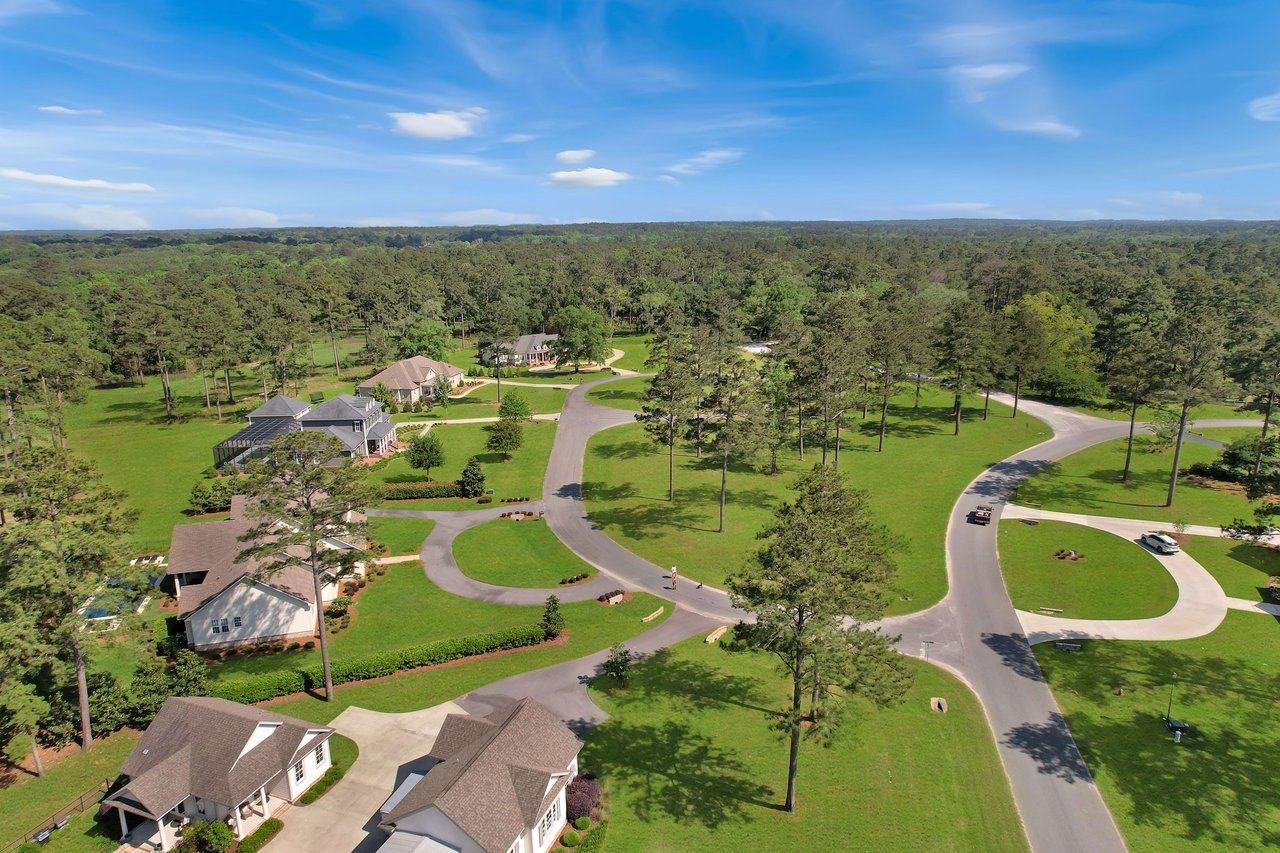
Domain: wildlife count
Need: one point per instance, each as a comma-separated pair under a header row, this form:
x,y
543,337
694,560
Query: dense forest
x,y
1152,317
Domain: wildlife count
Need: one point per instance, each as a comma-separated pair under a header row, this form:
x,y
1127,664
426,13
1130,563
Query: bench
x,y
655,614
717,633
1068,647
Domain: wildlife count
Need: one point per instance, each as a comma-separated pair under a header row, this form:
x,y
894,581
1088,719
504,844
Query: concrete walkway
x,y
1266,607
549,416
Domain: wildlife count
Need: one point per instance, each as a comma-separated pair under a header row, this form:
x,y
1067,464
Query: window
x,y
235,620
320,754
216,629
220,626
297,772
549,821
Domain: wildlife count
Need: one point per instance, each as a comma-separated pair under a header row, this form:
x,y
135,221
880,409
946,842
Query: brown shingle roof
x,y
493,772
192,748
411,373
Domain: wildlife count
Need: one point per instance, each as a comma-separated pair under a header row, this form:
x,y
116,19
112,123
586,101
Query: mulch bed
x,y
626,599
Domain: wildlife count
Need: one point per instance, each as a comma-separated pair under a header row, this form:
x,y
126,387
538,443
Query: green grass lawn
x,y
400,535
520,477
692,763
468,360
26,801
483,402
516,553
1207,411
1117,579
913,486
636,349
87,833
1089,482
1229,434
591,628
623,394
1214,791
1241,568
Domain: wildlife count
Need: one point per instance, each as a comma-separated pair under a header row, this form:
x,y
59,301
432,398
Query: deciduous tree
x,y
425,452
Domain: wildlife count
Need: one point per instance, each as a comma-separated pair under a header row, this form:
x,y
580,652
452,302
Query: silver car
x,y
1160,543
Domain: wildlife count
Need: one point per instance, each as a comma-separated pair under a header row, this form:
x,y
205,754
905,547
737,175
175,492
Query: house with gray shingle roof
x,y
527,349
358,422
498,786
206,759
412,379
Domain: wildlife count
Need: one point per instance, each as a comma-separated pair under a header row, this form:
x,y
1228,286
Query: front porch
x,y
142,833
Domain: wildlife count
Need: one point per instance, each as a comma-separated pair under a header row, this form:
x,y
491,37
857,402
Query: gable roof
x,y
343,407
280,406
494,773
410,373
526,344
194,748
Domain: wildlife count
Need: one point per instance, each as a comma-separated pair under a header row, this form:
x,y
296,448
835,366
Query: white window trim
x,y
299,772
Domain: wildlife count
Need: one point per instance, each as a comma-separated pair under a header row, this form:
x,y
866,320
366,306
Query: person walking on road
x,y
674,574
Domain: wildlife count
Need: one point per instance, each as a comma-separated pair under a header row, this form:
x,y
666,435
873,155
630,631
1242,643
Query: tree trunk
x,y
986,405
498,374
866,389
839,423
797,697
959,399
204,380
226,375
1177,453
1017,390
884,416
333,341
800,427
35,752
724,486
1128,452
48,411
62,422
322,632
671,465
82,694
1266,421
917,405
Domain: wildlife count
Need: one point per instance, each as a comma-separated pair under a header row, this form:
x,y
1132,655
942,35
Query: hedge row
x,y
593,841
410,491
269,685
260,836
330,778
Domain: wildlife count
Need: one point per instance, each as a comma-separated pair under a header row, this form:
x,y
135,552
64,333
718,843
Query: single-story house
x,y
214,760
498,786
412,379
526,349
358,422
224,601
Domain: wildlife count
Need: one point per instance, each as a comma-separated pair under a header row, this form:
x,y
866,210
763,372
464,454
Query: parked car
x,y
1161,543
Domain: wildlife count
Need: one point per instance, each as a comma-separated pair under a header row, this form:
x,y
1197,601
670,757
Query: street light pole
x,y
1168,715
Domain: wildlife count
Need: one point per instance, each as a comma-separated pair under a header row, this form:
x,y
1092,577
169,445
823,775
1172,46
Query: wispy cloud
x,y
234,217
486,216
976,82
593,177
1234,170
447,124
1168,198
75,183
1266,108
18,8
68,111
520,137
575,155
98,216
668,179
460,161
712,158
1041,127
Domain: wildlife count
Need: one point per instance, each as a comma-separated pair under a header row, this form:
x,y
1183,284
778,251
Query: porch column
x,y
164,835
235,813
124,824
266,805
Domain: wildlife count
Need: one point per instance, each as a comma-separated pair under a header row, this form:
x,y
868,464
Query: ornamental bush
x,y
260,836
571,839
582,797
582,824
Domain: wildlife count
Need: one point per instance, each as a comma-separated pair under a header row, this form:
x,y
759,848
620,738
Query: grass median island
x,y
913,486
692,763
1241,568
520,477
1117,579
484,400
1216,790
401,535
623,394
1088,482
516,553
1205,411
590,627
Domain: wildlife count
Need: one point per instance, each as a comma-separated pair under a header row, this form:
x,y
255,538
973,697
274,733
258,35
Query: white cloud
x,y
486,216
712,158
593,177
1042,127
520,137
1266,108
447,124
235,217
576,155
75,183
668,179
96,216
990,72
68,111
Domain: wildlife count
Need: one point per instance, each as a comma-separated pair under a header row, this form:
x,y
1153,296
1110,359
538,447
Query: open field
x,y
400,535
516,553
692,763
913,486
636,349
623,394
1241,568
1116,579
1089,482
1215,790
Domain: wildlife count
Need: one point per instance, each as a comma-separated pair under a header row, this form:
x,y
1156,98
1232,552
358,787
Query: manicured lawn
x,y
516,553
591,628
692,763
484,400
1241,568
1089,482
520,477
623,394
636,349
87,834
468,360
1207,411
913,486
1116,580
1229,434
400,535
1214,791
27,801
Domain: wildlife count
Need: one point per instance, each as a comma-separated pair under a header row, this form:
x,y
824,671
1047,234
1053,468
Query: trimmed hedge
x,y
269,685
412,491
593,841
260,836
330,778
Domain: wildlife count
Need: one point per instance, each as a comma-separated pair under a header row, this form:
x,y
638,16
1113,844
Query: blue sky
x,y
429,112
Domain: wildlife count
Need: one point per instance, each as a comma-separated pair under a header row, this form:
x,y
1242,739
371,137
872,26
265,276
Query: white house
x,y
225,601
412,379
527,349
206,759
498,786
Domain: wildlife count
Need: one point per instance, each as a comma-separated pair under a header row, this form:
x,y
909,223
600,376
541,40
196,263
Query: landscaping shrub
x,y
582,824
484,500
338,607
295,645
594,842
472,480
552,618
327,781
582,797
571,839
260,836
413,491
610,594
268,685
206,837
309,644
31,847
579,577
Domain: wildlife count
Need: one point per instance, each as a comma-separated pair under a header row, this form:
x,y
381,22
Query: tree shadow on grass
x,y
691,686
646,520
624,450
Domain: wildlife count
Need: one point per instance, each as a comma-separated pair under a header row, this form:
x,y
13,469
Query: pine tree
x,y
472,479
